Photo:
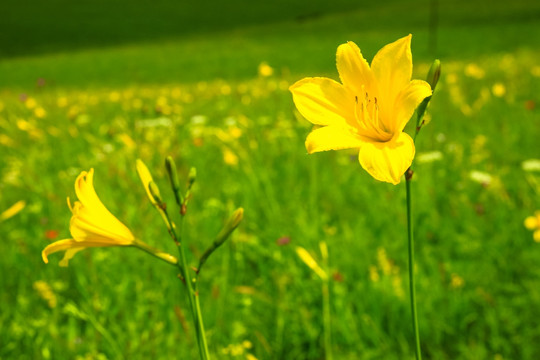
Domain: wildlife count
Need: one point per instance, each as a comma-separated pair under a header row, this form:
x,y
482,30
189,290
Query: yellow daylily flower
x,y
91,224
368,110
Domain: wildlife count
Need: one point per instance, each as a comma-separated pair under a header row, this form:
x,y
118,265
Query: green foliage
x,y
199,99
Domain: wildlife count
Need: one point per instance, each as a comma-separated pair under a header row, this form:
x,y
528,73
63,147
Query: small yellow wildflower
x,y
176,93
456,281
498,89
30,103
368,111
533,223
114,96
40,112
397,285
6,140
225,89
45,292
62,101
91,225
229,157
384,263
374,274
24,125
474,71
127,141
265,70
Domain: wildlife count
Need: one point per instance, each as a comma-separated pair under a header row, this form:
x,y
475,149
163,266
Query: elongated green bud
x,y
173,177
434,74
232,223
226,231
432,78
192,177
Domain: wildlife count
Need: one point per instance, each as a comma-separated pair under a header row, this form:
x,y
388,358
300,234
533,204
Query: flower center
x,y
367,118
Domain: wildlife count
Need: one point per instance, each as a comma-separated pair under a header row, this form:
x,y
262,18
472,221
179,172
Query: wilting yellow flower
x,y
91,225
533,223
369,110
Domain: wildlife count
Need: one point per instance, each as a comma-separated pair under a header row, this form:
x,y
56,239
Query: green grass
x,y
478,281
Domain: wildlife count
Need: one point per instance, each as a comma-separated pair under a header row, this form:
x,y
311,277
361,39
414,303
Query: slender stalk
x,y
326,320
192,295
201,324
412,291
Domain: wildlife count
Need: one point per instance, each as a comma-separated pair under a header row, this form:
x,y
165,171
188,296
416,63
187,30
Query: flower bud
x,y
232,223
223,235
154,192
146,179
173,177
434,74
191,177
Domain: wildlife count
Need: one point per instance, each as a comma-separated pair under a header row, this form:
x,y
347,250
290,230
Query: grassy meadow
x,y
208,85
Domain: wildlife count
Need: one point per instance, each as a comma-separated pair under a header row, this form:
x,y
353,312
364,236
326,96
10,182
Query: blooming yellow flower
x,y
533,223
91,225
368,111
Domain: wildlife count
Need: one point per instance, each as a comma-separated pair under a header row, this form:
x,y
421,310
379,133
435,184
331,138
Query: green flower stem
x,y
155,252
192,295
326,319
200,318
408,176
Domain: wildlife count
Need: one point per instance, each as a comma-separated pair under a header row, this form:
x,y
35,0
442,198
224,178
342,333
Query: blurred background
x,y
100,84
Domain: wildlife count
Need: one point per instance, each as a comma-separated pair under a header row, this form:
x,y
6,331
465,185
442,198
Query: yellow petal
x,y
407,101
60,245
323,101
353,69
392,67
90,210
84,188
331,138
68,255
71,247
388,161
536,236
85,230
